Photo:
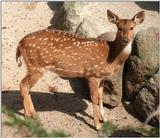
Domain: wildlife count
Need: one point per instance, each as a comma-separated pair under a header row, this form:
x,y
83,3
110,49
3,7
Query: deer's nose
x,y
125,40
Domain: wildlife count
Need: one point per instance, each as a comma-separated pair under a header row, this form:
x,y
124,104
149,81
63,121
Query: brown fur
x,y
71,56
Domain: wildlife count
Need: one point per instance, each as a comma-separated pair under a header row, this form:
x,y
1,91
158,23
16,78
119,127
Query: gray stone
x,y
113,89
92,27
141,83
143,62
147,100
109,36
74,15
76,18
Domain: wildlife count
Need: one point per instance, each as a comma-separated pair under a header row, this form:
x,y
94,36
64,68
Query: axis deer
x,y
71,56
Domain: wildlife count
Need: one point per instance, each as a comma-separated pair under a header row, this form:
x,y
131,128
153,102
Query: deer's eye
x,y
119,29
131,28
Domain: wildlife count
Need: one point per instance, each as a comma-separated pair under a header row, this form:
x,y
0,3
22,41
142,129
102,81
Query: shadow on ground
x,y
126,133
152,6
68,103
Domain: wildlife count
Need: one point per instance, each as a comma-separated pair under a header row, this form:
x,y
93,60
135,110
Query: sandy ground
x,y
68,110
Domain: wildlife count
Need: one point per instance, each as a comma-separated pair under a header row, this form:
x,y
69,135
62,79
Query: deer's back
x,y
63,53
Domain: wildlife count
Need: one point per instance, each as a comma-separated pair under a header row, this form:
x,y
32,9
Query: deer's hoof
x,y
30,115
105,119
98,127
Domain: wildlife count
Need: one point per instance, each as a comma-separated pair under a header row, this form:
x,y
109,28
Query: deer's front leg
x,y
96,93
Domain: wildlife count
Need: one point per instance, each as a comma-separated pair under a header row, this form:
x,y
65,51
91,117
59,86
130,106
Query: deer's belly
x,y
68,70
81,71
68,73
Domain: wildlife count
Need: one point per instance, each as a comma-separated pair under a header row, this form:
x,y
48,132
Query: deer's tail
x,y
18,56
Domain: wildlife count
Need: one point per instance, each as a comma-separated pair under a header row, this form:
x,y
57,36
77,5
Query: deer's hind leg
x,y
29,80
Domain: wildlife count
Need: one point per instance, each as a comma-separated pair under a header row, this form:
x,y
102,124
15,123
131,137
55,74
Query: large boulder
x,y
113,89
147,100
143,62
140,82
87,27
74,15
76,18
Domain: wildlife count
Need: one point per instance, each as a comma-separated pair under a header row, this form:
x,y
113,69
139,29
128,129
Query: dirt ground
x,y
68,110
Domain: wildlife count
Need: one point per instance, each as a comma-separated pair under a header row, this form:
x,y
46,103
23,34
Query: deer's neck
x,y
118,52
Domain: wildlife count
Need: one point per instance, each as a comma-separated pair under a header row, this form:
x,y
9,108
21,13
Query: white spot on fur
x,y
96,66
42,69
57,39
101,62
45,38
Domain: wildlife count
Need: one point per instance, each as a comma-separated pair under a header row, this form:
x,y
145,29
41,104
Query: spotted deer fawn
x,y
71,56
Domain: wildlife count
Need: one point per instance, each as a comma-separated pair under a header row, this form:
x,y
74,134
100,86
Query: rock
x,y
87,27
76,18
143,62
113,89
68,15
147,100
141,74
109,36
74,15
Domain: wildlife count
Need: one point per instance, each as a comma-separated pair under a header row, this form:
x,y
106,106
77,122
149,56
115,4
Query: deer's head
x,y
125,27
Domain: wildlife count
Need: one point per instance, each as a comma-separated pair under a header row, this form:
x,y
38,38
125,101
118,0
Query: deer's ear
x,y
112,17
139,17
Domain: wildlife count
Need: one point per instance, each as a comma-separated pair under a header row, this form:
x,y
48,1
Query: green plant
x,y
109,129
153,132
32,126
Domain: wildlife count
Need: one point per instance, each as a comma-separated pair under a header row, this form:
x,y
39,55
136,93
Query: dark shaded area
x,y
126,69
138,104
126,133
67,103
152,6
59,15
130,109
80,87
